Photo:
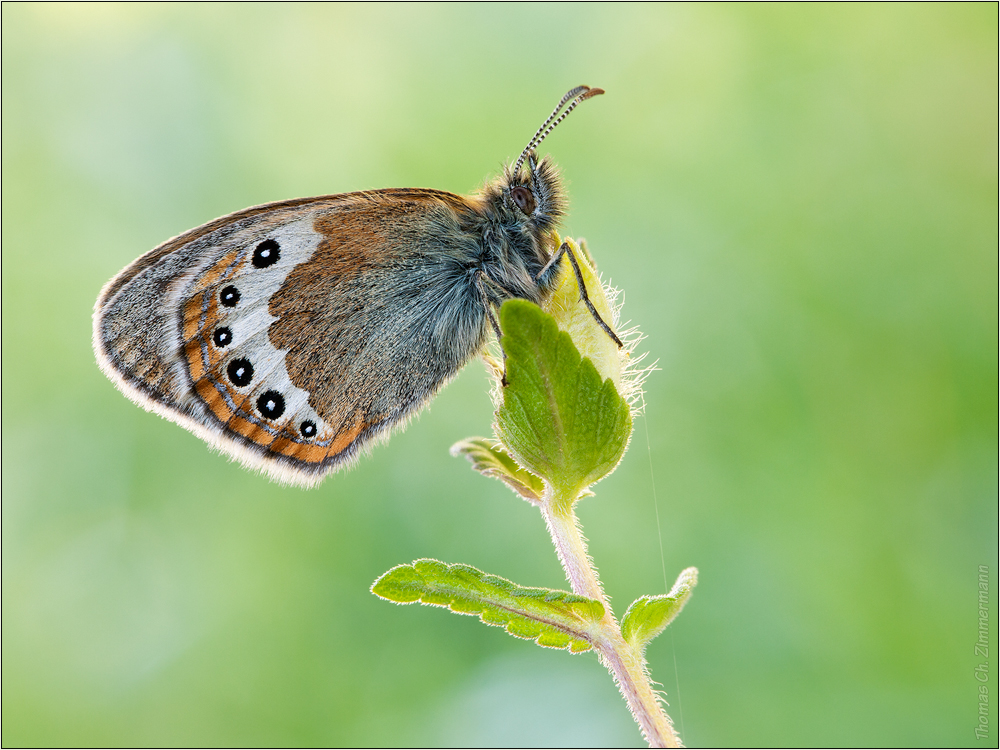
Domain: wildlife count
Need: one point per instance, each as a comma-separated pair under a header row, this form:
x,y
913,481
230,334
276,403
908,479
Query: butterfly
x,y
294,335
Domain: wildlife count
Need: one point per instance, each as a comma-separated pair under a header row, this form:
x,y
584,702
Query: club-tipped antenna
x,y
569,95
581,93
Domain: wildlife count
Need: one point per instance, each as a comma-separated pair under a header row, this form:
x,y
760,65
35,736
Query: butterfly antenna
x,y
569,95
581,93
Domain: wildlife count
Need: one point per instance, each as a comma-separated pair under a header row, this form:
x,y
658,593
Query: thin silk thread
x,y
656,507
677,680
663,565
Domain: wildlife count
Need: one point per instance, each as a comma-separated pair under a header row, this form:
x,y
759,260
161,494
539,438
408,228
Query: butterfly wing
x,y
292,335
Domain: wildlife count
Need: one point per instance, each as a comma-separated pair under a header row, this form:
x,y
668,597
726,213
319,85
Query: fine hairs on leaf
x,y
555,619
490,459
565,396
648,616
558,419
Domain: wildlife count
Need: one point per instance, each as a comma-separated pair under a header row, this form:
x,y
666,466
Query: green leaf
x,y
571,314
558,419
493,461
648,616
555,619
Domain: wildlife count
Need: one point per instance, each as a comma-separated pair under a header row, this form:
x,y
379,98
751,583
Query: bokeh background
x,y
801,206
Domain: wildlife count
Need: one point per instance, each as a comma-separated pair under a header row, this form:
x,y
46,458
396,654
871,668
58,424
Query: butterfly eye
x,y
524,199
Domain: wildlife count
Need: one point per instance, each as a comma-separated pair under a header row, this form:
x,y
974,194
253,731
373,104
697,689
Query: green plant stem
x,y
626,666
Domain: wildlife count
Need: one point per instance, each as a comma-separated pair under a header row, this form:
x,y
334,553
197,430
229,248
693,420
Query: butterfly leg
x,y
481,282
550,269
487,303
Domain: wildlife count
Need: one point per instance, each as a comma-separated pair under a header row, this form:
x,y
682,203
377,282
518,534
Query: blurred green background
x,y
800,203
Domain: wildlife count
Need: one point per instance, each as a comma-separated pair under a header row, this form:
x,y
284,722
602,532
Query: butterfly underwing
x,y
294,335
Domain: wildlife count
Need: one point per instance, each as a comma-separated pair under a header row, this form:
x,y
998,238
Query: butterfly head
x,y
531,191
532,197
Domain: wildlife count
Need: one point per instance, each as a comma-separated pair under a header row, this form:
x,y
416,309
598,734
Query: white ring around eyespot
x,y
250,319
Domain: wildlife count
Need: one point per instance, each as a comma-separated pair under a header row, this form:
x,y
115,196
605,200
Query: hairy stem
x,y
626,666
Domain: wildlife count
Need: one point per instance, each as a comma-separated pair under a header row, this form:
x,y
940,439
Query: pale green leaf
x,y
571,315
551,618
648,616
493,461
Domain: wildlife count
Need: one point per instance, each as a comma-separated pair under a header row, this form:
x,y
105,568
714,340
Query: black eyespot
x,y
229,296
524,199
308,428
222,337
240,371
266,254
271,404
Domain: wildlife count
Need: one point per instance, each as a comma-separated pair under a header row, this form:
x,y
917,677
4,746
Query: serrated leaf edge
x,y
578,638
584,369
470,447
